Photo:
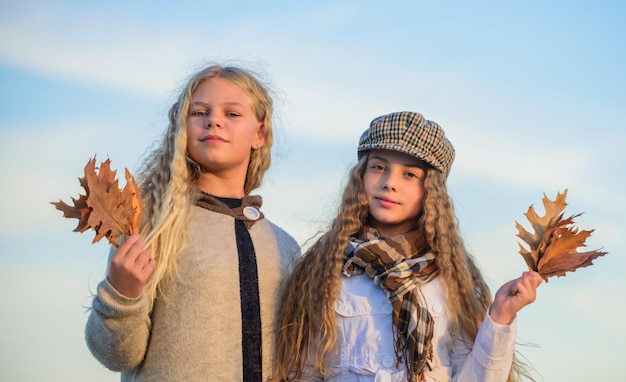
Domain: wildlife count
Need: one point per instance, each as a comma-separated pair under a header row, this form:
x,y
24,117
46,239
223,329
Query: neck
x,y
224,186
390,230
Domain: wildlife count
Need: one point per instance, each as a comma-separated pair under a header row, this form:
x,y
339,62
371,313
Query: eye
x,y
233,114
414,174
411,175
377,167
198,113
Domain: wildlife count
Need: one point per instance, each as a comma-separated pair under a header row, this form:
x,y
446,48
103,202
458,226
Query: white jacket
x,y
365,340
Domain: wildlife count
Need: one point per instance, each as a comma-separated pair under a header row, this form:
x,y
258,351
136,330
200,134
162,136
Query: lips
x,y
212,139
385,202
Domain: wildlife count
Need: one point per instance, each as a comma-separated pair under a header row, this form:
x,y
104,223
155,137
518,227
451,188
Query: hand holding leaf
x,y
553,246
109,211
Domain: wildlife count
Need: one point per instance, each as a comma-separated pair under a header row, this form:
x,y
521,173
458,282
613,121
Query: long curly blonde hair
x,y
167,178
307,326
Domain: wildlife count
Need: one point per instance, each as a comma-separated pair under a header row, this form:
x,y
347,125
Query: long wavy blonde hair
x,y
167,178
307,326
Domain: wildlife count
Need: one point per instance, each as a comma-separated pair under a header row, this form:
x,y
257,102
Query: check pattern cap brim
x,y
412,134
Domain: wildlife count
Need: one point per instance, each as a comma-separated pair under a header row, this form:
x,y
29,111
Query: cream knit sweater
x,y
195,333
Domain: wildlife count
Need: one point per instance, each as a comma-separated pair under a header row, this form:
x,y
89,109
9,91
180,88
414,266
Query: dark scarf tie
x,y
248,211
399,265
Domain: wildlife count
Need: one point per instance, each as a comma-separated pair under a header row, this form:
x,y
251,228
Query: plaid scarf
x,y
399,265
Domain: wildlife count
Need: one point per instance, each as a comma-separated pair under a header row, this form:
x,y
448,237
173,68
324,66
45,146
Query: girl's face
x,y
222,128
394,187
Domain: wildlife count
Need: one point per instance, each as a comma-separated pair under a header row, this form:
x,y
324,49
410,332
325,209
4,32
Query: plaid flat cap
x,y
412,134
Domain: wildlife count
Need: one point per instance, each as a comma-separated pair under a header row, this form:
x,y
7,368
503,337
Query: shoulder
x,y
280,233
287,244
267,227
202,215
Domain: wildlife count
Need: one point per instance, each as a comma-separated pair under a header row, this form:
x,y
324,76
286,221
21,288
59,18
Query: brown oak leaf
x,y
552,247
106,209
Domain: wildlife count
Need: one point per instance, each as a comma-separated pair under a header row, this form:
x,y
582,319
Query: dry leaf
x,y
109,211
553,245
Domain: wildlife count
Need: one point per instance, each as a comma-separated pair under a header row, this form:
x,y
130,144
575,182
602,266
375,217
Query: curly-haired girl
x,y
194,296
389,293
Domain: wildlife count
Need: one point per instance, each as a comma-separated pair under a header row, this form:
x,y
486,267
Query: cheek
x,y
368,185
191,140
189,132
420,198
189,147
193,126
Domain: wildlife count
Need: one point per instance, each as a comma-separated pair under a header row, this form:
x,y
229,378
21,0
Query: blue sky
x,y
532,95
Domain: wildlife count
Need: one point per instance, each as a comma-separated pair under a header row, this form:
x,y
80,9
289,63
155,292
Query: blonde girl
x,y
194,296
389,293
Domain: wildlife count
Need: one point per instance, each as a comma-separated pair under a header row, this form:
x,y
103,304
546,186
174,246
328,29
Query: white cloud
x,y
102,56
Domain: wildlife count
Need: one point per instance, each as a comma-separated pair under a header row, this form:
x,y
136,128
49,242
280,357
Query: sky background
x,y
531,94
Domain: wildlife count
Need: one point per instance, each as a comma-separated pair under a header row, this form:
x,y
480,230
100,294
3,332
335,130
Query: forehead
x,y
396,157
219,88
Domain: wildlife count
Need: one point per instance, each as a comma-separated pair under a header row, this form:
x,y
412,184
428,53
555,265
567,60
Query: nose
x,y
388,181
213,120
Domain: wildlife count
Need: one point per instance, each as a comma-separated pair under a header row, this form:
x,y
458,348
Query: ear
x,y
260,136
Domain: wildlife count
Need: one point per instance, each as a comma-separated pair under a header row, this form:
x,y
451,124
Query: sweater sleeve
x,y
491,356
118,328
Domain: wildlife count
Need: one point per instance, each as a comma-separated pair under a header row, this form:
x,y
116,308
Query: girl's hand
x,y
513,296
130,267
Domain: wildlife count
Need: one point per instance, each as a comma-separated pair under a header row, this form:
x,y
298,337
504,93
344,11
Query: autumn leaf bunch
x,y
105,208
553,245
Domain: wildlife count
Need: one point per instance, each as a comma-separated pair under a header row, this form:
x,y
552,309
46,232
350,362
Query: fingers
x,y
130,249
145,264
531,280
514,295
130,267
132,254
525,287
534,277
